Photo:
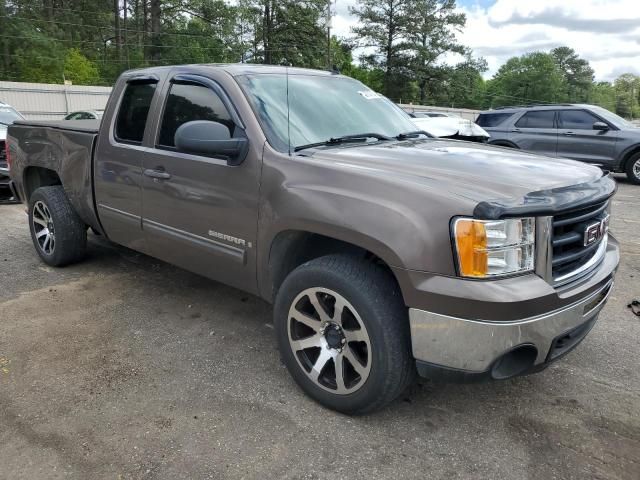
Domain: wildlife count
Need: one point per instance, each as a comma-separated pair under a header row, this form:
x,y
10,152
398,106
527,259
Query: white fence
x,y
43,101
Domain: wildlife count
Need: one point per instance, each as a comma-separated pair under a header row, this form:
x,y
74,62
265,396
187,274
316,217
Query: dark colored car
x,y
586,133
384,251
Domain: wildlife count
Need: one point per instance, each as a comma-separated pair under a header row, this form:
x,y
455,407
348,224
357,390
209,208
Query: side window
x,y
536,119
133,113
187,102
577,119
492,119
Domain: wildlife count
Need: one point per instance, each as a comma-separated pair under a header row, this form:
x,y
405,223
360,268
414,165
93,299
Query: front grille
x,y
568,241
3,155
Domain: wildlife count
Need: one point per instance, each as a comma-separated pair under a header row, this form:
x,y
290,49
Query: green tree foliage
x,y
627,88
577,72
531,78
79,69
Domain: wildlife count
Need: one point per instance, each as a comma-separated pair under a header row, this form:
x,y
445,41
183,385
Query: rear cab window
x,y
537,119
187,102
133,112
492,119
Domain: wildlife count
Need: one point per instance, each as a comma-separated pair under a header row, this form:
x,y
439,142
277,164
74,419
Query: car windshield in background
x,y
9,115
321,108
612,118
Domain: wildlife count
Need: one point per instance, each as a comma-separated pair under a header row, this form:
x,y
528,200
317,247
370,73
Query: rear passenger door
x,y
578,140
199,212
118,161
536,131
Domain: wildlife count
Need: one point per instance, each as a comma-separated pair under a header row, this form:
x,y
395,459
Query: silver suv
x,y
586,133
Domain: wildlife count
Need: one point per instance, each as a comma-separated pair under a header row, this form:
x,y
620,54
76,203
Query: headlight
x,y
491,248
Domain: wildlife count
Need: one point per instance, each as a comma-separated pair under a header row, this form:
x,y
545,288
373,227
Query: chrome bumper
x,y
474,346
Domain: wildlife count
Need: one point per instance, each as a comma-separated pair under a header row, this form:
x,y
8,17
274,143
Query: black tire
x,y
70,232
633,169
378,301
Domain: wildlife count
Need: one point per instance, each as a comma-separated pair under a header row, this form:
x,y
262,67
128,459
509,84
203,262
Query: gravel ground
x,y
126,367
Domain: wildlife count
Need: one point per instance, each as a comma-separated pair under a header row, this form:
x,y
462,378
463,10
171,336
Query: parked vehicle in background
x,y
84,115
587,133
384,251
8,115
450,126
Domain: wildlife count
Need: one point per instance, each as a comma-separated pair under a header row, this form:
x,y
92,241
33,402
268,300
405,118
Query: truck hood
x,y
502,180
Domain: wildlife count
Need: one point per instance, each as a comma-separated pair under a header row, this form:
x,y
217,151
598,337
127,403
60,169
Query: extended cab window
x,y
133,113
577,119
537,119
188,102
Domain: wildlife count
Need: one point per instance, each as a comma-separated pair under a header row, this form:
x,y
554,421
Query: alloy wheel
x,y
329,340
43,228
636,169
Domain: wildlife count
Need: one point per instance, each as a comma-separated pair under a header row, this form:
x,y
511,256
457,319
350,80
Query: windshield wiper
x,y
413,134
358,137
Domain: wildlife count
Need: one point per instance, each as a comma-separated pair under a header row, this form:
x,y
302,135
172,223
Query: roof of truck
x,y
235,69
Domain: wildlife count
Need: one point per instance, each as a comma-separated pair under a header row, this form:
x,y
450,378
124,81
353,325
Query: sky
x,y
604,32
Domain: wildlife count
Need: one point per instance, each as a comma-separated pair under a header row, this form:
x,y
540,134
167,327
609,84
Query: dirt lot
x,y
125,367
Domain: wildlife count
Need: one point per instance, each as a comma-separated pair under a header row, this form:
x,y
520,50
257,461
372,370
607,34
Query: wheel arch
x,y
627,155
292,248
35,177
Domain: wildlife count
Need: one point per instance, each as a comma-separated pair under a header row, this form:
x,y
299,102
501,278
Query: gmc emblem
x,y
596,231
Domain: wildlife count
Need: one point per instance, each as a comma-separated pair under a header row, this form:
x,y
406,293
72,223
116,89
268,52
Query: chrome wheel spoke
x,y
45,245
44,231
322,313
310,322
321,362
337,311
308,342
356,336
339,363
39,221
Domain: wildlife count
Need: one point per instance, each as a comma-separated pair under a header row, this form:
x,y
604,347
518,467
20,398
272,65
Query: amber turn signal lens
x,y
471,245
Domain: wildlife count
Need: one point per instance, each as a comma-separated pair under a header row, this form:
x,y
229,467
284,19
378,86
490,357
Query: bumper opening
x,y
514,362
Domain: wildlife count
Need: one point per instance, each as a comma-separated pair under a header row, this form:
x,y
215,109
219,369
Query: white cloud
x,y
605,32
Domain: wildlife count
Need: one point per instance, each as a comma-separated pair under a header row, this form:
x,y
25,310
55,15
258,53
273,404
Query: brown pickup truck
x,y
385,252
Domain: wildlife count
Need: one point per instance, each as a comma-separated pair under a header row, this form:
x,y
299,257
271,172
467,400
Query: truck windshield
x,y
8,115
321,108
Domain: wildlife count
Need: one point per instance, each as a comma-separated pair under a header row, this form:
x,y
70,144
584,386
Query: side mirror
x,y
212,139
600,126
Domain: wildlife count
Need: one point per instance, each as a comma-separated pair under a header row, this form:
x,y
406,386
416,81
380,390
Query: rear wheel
x,y
58,234
343,333
633,169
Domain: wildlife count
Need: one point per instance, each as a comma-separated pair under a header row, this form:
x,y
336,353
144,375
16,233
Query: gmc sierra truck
x,y
385,252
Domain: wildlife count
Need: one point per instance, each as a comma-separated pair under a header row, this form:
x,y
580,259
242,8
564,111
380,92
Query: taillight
x,y
7,154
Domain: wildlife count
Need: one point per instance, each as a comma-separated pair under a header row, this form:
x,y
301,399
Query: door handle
x,y
568,134
159,174
515,130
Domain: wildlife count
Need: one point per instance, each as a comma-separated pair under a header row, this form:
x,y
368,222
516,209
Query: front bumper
x,y
459,348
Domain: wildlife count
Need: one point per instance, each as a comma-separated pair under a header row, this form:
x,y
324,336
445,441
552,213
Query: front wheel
x,y
633,169
343,333
58,234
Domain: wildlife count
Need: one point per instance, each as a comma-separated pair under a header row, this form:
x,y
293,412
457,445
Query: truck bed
x,y
63,148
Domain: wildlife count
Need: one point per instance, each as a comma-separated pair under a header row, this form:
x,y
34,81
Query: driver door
x,y
198,212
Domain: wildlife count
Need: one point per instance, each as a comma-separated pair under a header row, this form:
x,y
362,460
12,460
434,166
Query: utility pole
x,y
329,34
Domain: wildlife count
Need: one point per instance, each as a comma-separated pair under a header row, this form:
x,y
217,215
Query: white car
x,y
448,125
